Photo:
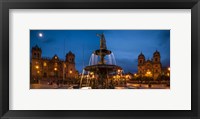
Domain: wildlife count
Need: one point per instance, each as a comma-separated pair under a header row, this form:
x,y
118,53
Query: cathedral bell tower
x,y
36,52
70,65
141,62
156,64
36,66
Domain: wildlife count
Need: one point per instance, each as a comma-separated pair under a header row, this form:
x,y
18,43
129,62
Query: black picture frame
x,y
5,5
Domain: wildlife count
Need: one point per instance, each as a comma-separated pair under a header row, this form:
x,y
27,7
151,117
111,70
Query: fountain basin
x,y
102,67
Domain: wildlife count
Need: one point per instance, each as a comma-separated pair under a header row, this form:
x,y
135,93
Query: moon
x,y
40,35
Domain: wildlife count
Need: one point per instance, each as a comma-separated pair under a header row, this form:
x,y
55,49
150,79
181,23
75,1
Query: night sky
x,y
125,44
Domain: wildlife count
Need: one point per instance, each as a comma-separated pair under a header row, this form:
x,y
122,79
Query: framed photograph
x,y
99,59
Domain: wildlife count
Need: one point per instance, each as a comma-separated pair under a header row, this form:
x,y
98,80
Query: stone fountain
x,y
101,70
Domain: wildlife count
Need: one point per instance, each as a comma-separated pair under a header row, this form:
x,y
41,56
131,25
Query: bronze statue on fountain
x,y
102,70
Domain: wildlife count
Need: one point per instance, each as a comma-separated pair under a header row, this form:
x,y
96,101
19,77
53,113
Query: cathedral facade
x,y
150,68
52,68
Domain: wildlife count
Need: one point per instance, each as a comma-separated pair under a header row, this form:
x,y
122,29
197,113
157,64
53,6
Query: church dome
x,y
70,54
156,53
141,55
36,48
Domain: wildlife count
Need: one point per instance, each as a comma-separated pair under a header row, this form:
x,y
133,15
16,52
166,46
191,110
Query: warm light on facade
x,y
127,77
118,70
37,67
91,73
70,71
55,69
38,72
45,64
148,72
167,74
169,69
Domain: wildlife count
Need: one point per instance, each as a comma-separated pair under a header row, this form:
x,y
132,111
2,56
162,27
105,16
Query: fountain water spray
x,y
100,66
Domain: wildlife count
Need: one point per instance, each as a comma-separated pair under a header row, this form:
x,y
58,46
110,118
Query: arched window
x,y
34,55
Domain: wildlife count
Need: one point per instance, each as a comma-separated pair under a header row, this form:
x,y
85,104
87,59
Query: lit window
x,y
55,69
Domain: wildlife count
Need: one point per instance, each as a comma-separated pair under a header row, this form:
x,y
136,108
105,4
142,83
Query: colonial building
x,y
150,68
52,68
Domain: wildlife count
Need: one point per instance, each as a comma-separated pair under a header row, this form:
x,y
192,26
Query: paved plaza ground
x,y
70,86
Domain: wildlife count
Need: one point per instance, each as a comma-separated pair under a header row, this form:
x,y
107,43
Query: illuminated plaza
x,y
102,71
